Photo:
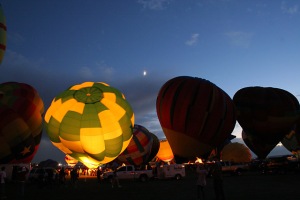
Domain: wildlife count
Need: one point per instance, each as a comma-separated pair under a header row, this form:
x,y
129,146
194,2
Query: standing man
x,y
21,179
218,180
115,179
62,176
2,180
201,180
99,174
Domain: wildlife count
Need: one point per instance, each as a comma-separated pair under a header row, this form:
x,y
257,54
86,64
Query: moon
x,y
144,73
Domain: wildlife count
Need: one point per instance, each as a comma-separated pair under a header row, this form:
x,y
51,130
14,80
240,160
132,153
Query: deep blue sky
x,y
53,44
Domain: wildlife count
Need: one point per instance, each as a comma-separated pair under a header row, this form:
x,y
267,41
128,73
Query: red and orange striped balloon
x,y
139,149
196,116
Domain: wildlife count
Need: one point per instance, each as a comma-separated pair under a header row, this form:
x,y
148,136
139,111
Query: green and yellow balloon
x,y
92,122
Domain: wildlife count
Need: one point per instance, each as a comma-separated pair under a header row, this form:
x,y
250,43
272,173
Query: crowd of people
x,y
202,170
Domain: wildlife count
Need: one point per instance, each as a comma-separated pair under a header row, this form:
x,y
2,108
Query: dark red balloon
x,y
196,115
266,116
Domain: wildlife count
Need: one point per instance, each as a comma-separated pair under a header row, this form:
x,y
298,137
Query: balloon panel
x,y
155,147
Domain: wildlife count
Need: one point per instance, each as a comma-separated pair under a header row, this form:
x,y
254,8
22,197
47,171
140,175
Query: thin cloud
x,y
193,40
154,4
12,58
15,38
93,72
151,122
85,72
239,38
289,9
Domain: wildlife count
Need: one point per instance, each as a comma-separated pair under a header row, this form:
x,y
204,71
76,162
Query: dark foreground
x,y
247,186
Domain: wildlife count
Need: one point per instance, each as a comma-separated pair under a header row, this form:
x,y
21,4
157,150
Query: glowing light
x,y
144,73
198,160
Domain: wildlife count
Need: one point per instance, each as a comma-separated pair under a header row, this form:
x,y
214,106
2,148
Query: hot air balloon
x,y
2,34
165,152
196,116
70,161
92,122
21,110
139,149
266,116
236,152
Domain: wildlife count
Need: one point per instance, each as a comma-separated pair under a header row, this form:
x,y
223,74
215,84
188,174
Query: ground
x,y
251,185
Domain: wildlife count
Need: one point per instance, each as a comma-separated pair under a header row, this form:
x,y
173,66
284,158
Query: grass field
x,y
247,186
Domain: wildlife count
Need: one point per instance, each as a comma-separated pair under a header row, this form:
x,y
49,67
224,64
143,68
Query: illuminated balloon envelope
x,y
21,110
266,116
70,160
165,152
196,116
92,122
236,152
2,34
139,149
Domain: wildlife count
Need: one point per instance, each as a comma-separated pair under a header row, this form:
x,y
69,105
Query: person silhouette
x,y
2,182
218,180
201,180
